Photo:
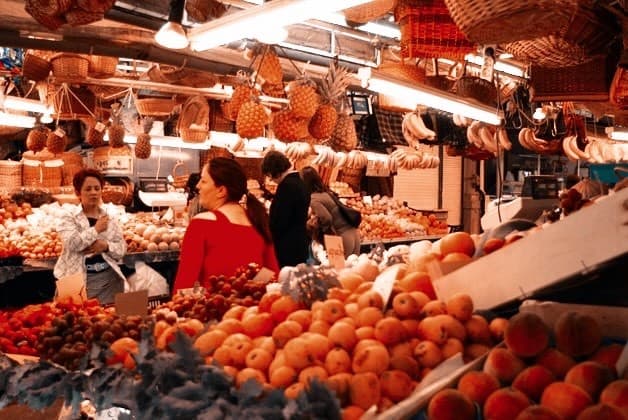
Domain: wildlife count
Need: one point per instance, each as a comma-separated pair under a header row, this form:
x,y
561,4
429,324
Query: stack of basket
x,y
41,170
72,163
193,124
10,174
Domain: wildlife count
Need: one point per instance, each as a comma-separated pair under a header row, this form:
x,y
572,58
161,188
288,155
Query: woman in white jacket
x,y
93,243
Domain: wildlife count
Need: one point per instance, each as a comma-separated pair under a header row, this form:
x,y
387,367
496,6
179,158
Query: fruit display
x,y
529,378
224,292
142,233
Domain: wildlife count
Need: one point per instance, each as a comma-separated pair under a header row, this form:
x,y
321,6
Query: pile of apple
x,y
9,209
529,379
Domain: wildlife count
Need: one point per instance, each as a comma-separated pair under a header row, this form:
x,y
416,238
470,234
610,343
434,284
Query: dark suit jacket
x,y
288,215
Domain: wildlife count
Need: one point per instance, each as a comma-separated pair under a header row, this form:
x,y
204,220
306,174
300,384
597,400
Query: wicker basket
x,y
408,72
180,175
42,173
10,174
352,176
585,82
72,163
193,124
101,66
581,41
155,107
69,65
428,31
36,66
73,103
118,190
369,11
499,21
476,88
201,10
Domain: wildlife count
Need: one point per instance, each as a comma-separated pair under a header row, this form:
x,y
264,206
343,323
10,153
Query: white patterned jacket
x,y
76,234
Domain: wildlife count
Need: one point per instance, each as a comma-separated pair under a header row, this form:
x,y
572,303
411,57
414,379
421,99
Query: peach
x,y
371,359
503,365
342,335
395,385
474,350
590,376
602,411
453,327
390,331
405,306
250,373
433,330
370,298
412,327
526,334
418,281
451,347
368,317
450,404
566,400
293,391
616,393
608,355
505,404
537,412
339,383
477,385
282,377
404,348
577,334
364,390
311,373
364,333
460,306
533,380
421,299
285,331
337,361
556,361
406,364
497,326
352,412
428,354
434,307
477,330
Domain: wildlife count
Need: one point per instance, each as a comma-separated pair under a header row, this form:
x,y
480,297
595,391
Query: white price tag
x,y
385,281
368,200
100,127
335,251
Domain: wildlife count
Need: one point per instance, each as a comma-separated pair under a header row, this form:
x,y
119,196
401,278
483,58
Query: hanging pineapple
x,y
56,141
303,97
288,127
268,67
276,91
252,119
241,94
37,137
95,135
143,147
333,89
344,137
116,130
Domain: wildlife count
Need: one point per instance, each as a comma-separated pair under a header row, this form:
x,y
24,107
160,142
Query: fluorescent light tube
x,y
619,135
24,104
426,95
246,23
14,120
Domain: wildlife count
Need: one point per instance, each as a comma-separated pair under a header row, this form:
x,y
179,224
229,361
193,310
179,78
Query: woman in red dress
x,y
232,233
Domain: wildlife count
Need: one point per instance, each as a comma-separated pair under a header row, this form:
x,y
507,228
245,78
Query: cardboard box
x,y
574,246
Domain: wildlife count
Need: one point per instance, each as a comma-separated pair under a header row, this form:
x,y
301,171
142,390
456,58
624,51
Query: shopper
x,y
194,205
330,220
93,243
288,210
232,233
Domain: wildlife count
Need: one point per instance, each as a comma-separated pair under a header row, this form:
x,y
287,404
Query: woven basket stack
x,y
55,13
41,170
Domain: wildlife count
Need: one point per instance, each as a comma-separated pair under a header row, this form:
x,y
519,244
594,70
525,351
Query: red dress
x,y
214,247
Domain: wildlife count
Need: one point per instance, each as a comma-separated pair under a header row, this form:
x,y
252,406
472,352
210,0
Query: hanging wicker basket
x,y
66,65
427,31
73,103
369,11
36,66
180,175
102,67
500,21
193,124
202,10
159,108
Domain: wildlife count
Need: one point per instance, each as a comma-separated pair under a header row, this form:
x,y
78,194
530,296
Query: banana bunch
x,y
571,149
604,151
461,121
298,150
414,159
414,129
326,156
488,137
356,159
276,144
383,163
528,140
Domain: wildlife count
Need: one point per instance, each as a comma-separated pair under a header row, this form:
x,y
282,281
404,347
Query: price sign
x,y
335,251
265,275
385,281
132,303
368,200
72,287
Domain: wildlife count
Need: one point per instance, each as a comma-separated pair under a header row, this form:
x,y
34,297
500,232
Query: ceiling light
x,y
387,31
23,104
245,23
272,35
539,114
499,65
172,35
420,94
14,120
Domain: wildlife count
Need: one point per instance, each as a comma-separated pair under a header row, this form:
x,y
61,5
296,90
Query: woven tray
x,y
499,21
155,107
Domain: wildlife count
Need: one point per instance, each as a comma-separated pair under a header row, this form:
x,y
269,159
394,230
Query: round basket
x,y
193,124
36,66
72,163
69,65
500,21
369,11
191,135
180,175
42,173
118,190
101,66
476,88
427,31
352,176
10,174
155,107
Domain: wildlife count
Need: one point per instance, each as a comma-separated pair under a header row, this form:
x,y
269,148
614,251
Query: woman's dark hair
x,y
228,173
190,186
275,163
80,176
312,180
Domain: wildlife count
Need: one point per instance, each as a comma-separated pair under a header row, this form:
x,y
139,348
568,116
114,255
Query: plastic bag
x,y
146,278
